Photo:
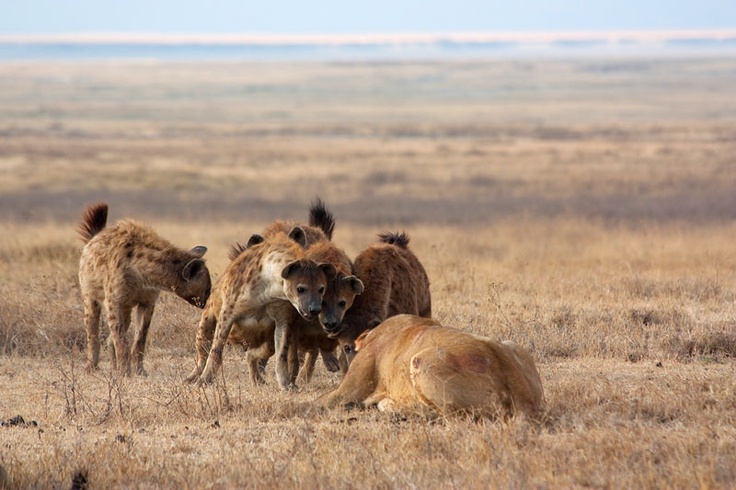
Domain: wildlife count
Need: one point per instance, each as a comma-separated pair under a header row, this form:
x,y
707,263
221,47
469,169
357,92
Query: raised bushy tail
x,y
93,221
321,218
398,239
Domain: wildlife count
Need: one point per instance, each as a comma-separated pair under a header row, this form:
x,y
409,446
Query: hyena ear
x,y
238,248
373,324
297,234
192,268
328,269
355,283
291,269
254,239
198,251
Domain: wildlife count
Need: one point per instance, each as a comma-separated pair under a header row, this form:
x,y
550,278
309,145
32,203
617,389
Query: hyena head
x,y
340,294
194,284
352,333
305,283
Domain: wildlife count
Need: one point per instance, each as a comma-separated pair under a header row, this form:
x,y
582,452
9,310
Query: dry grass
x,y
571,207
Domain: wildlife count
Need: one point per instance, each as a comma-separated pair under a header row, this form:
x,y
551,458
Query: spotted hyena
x,y
127,265
265,287
395,282
309,336
341,292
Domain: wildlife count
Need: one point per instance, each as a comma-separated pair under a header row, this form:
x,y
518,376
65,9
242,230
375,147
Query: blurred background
x,y
394,112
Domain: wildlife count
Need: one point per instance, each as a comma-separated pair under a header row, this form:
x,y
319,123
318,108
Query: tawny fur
x,y
394,282
311,234
414,364
126,266
262,289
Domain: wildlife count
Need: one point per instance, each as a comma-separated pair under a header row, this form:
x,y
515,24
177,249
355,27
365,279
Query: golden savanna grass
x,y
584,209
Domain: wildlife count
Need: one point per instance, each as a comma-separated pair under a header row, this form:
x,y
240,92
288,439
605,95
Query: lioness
x,y
414,363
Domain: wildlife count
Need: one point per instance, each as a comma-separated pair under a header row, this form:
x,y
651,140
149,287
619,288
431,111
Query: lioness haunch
x,y
412,363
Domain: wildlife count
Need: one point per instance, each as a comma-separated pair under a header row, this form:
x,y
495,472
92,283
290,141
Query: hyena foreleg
x,y
144,313
205,333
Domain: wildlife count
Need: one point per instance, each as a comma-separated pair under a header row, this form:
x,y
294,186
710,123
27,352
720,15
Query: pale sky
x,y
359,16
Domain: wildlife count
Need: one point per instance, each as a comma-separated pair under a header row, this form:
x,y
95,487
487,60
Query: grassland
x,y
585,209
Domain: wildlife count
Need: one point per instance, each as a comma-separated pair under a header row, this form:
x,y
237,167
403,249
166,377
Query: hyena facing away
x,y
127,265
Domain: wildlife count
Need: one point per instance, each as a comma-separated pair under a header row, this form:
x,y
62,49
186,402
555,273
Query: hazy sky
x,y
359,16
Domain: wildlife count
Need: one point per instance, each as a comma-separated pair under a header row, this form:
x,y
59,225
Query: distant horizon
x,y
610,36
375,46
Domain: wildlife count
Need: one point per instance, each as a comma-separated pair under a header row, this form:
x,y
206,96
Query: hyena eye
x,y
348,349
342,304
301,289
321,290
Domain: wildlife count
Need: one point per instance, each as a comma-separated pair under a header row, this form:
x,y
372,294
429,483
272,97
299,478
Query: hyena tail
x,y
93,221
321,218
398,239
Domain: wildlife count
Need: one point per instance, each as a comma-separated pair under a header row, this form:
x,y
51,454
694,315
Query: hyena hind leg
x,y
92,311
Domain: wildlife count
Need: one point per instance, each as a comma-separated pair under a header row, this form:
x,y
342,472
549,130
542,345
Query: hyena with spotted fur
x,y
128,265
308,336
263,288
395,282
339,296
341,292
